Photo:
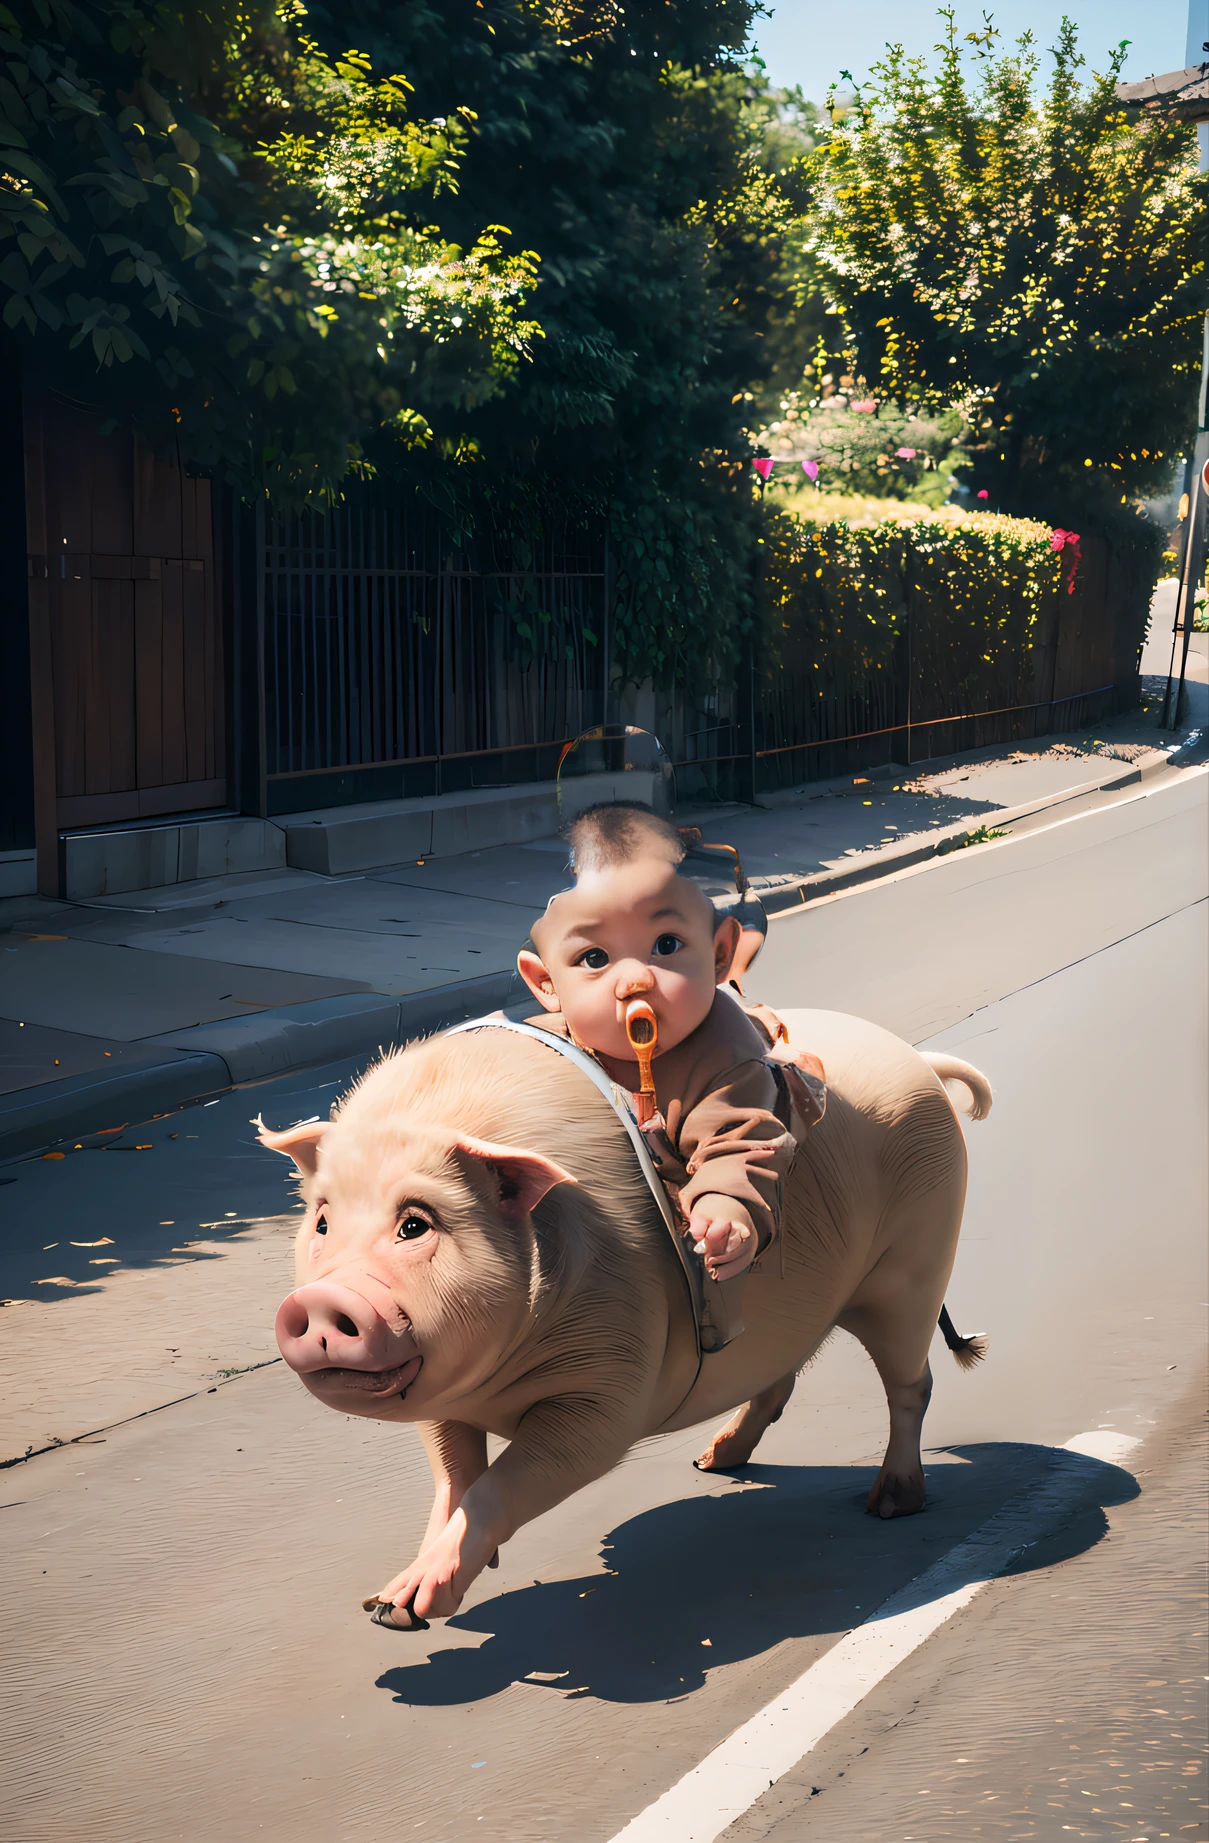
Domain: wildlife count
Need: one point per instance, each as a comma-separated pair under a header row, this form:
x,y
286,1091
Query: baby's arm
x,y
737,1153
722,1230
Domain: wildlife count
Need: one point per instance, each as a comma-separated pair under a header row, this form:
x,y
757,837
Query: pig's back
x,y
889,1130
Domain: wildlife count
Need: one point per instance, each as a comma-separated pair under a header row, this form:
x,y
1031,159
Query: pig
x,y
480,1254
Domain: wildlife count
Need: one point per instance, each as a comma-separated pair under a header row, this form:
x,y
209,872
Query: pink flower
x,y
1067,540
763,467
810,469
866,407
983,494
905,454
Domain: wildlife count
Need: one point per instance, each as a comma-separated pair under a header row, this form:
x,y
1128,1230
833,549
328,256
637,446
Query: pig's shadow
x,y
746,1570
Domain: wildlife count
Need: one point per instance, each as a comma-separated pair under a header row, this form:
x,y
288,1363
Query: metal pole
x,y
1192,574
1185,533
1196,52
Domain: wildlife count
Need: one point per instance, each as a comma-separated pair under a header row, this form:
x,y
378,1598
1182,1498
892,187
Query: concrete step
x,y
333,841
18,873
108,863
338,840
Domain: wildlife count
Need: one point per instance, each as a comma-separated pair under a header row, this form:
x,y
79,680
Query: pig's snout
x,y
326,1326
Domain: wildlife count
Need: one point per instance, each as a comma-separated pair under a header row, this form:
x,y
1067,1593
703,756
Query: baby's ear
x,y
533,971
726,941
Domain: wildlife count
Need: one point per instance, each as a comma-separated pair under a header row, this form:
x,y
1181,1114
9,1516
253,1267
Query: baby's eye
x,y
411,1227
594,959
321,1224
668,944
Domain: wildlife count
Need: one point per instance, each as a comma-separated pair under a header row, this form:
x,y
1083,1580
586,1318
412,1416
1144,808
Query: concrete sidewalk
x,y
127,1007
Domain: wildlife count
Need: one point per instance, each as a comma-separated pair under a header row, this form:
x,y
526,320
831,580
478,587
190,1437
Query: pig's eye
x,y
594,959
411,1227
321,1225
668,944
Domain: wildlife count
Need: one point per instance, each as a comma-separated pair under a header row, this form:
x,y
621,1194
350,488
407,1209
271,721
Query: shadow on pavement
x,y
746,1571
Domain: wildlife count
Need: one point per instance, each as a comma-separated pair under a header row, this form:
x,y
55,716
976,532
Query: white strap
x,y
613,1092
619,1101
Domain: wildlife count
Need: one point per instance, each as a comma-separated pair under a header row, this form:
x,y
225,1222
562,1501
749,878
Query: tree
x,y
1039,261
619,144
517,255
220,230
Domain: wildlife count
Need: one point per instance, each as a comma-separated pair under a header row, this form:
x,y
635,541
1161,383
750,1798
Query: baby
x,y
633,927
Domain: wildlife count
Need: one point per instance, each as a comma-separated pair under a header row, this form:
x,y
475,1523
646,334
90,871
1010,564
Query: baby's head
x,y
631,927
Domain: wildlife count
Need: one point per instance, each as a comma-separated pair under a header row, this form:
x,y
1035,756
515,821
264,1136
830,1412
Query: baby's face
x,y
637,931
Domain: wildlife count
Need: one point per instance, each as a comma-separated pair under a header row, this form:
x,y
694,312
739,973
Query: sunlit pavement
x,y
185,1652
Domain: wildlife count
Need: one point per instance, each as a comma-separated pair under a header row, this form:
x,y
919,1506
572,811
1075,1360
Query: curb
x,y
33,1118
785,898
210,1060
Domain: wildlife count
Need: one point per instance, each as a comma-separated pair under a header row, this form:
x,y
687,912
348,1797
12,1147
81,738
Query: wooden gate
x,y
126,638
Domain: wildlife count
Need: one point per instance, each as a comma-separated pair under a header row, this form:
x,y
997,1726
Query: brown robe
x,y
726,1114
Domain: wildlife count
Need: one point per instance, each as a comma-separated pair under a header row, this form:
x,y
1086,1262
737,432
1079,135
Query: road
x,y
184,1656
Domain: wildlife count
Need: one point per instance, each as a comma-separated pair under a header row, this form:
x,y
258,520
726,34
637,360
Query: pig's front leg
x,y
560,1446
458,1455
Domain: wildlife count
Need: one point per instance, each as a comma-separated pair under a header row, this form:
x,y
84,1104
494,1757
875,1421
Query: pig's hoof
x,y
394,1618
726,1452
895,1497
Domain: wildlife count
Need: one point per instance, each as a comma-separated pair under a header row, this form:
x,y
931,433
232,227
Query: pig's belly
x,y
784,1324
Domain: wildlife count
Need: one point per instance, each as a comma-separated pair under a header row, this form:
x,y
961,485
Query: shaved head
x,y
620,832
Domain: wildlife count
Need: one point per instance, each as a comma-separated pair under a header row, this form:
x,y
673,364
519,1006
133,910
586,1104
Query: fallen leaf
x,y
707,1641
54,1155
58,1279
105,1241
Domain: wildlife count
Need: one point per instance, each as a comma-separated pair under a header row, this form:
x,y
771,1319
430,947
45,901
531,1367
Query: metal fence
x,y
396,665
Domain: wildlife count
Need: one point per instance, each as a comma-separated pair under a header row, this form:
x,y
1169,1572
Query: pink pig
x,y
480,1254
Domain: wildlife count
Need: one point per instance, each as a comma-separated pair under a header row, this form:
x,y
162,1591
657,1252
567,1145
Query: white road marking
x,y
699,1807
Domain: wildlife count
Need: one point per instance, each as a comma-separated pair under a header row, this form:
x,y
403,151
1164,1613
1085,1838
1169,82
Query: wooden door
x,y
127,641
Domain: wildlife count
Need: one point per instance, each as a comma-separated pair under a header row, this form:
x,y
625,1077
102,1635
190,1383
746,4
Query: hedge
x,y
877,613
844,574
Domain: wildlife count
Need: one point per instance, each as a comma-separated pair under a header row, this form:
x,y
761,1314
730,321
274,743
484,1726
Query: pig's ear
x,y
301,1143
523,1177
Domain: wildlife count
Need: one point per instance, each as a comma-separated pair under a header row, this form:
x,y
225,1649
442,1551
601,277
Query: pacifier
x,y
642,1034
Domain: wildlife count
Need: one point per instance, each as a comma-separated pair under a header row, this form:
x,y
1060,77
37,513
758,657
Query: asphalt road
x,y
183,1651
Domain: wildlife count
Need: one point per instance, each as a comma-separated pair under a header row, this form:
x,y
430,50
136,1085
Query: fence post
x,y
262,736
608,610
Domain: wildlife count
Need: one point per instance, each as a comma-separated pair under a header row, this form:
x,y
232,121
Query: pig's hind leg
x,y
734,1444
894,1309
893,1314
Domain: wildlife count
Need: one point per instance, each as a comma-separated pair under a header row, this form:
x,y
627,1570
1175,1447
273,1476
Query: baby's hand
x,y
722,1230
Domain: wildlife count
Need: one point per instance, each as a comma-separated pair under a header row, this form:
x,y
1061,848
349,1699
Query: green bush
x,y
843,575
